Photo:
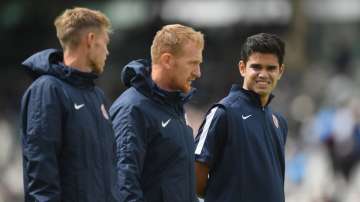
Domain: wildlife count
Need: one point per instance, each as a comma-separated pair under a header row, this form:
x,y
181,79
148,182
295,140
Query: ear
x,y
90,39
242,68
281,70
167,60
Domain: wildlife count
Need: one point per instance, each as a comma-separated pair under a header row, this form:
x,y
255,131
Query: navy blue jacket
x,y
243,145
67,137
155,146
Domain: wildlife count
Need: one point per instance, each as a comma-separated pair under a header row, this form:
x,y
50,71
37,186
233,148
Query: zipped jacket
x,y
243,144
68,142
155,146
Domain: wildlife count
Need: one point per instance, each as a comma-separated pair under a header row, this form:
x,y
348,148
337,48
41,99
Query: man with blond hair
x,y
155,147
67,137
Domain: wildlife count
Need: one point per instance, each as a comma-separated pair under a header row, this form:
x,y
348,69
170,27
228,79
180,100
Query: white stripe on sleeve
x,y
205,130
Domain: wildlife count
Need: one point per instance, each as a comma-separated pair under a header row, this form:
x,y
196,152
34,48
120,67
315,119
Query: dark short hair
x,y
263,43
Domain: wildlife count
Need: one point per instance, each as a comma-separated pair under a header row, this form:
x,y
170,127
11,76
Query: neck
x,y
264,100
159,77
76,59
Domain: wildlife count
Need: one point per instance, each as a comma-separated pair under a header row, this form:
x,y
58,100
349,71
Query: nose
x,y
197,71
263,73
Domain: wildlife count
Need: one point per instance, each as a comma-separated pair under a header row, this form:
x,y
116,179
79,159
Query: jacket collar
x,y
50,62
251,96
138,75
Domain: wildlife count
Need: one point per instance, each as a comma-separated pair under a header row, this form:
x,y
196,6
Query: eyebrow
x,y
260,65
197,61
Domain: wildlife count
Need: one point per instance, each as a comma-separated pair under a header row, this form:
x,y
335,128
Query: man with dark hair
x,y
67,138
155,146
240,145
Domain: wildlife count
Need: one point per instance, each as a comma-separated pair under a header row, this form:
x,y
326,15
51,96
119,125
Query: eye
x,y
193,63
255,67
272,68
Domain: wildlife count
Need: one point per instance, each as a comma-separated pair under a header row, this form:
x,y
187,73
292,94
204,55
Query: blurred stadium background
x,y
318,94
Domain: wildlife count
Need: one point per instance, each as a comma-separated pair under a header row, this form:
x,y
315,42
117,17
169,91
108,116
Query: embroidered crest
x,y
104,112
275,120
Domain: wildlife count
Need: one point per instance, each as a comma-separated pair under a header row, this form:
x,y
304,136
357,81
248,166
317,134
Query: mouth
x,y
189,82
192,79
263,83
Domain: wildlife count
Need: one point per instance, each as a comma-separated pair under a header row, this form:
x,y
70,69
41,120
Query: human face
x,y
261,73
98,51
186,67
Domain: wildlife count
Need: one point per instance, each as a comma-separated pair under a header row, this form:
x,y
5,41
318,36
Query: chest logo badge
x,y
245,117
164,124
77,107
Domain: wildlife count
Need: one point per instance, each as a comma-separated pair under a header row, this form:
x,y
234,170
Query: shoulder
x,y
46,81
44,96
215,117
128,98
46,85
129,101
126,114
231,100
217,110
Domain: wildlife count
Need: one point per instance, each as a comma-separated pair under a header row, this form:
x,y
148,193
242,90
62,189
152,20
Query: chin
x,y
98,70
186,89
260,91
263,92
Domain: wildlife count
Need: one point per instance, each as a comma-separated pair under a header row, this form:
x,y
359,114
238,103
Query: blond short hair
x,y
171,39
72,22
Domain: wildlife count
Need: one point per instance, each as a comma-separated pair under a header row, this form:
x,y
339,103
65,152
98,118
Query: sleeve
x,y
285,129
130,131
284,126
41,142
211,136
